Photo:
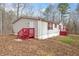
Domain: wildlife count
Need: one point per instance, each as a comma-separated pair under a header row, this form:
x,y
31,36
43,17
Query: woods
x,y
54,12
41,29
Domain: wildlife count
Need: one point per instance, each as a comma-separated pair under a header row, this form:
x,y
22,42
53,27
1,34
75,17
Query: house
x,y
43,29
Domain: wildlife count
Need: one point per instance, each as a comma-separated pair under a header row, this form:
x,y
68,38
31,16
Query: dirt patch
x,y
33,47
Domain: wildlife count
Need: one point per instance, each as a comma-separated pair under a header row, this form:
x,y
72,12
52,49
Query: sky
x,y
39,6
44,5
73,6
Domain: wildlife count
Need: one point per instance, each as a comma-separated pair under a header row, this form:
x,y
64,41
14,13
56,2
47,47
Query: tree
x,y
5,21
63,7
77,9
18,8
1,18
2,5
76,21
72,24
49,12
23,9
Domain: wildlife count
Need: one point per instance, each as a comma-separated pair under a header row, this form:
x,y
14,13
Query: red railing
x,y
64,32
26,33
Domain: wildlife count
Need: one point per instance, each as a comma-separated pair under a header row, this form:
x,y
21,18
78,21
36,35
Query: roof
x,y
32,18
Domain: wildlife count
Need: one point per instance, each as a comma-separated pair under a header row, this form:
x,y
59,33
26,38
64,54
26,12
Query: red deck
x,y
26,33
64,32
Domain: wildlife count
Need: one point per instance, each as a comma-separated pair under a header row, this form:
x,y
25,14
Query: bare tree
x,y
2,5
50,12
72,23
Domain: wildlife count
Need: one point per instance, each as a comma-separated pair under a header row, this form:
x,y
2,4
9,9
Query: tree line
x,y
59,13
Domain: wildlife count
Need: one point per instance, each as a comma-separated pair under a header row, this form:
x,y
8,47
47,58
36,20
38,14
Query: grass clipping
x,y
67,40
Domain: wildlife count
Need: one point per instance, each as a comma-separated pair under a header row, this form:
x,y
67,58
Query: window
x,y
50,26
59,26
55,25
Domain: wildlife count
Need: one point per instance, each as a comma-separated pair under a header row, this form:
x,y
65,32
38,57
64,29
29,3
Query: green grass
x,y
67,40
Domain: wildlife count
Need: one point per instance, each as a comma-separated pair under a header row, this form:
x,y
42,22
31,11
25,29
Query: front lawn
x,y
33,47
67,40
70,40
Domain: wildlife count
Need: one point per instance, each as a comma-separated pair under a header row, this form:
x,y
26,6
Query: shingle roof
x,y
32,18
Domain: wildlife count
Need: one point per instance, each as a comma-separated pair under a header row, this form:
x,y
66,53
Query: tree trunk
x,y
3,17
17,10
75,28
61,18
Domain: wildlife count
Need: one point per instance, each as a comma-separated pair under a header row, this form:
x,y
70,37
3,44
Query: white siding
x,y
44,33
41,28
61,26
54,32
24,23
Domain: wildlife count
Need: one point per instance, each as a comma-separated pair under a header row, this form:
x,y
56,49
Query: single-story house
x,y
43,28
